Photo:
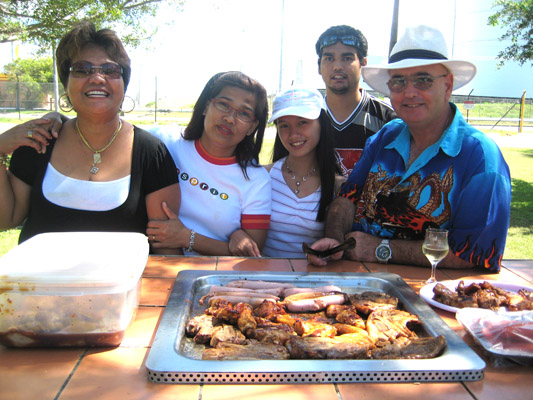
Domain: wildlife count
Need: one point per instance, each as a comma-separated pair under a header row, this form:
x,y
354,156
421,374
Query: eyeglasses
x,y
420,82
83,69
242,115
331,40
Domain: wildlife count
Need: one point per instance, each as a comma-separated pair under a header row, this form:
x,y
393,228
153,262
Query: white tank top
x,y
84,195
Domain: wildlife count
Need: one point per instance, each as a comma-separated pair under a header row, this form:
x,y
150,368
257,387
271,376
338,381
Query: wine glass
x,y
435,248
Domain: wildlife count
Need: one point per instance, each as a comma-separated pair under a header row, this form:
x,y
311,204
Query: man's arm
x,y
407,252
339,219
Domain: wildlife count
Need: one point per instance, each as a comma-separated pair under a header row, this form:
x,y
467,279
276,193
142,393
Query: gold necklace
x,y
97,157
304,178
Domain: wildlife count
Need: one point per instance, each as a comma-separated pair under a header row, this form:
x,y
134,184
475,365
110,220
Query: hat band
x,y
417,54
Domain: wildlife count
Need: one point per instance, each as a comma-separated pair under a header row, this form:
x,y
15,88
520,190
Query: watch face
x,y
383,252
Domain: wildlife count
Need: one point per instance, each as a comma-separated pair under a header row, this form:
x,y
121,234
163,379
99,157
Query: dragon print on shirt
x,y
404,210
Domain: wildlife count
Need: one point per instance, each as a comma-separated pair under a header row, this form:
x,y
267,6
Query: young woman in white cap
x,y
303,172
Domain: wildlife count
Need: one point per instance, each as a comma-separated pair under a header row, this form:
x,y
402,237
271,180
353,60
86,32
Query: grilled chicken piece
x,y
201,328
367,302
246,320
251,351
386,325
414,348
349,346
268,310
227,334
318,327
343,329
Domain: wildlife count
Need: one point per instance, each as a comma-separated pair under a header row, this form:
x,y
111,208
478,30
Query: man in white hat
x,y
354,114
427,169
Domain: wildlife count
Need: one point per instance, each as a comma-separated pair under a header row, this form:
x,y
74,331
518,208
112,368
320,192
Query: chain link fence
x,y
478,110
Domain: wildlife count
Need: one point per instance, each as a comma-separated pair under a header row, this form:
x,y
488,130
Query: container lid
x,y
75,259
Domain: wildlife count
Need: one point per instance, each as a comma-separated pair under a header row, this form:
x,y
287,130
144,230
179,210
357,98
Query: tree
x,y
31,81
44,22
517,17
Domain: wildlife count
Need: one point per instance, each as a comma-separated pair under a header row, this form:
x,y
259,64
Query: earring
x,y
130,108
64,103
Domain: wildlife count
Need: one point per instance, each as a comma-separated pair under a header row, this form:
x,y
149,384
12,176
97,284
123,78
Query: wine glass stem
x,y
433,269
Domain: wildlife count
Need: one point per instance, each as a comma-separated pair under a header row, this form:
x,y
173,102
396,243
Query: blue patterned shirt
x,y
461,183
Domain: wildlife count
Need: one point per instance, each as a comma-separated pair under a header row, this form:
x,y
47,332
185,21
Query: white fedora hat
x,y
420,45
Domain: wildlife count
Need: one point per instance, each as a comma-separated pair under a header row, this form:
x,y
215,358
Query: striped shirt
x,y
293,220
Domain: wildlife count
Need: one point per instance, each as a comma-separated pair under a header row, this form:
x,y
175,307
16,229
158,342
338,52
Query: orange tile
x,y
253,264
35,373
301,265
170,266
120,374
269,392
406,391
141,330
155,291
507,381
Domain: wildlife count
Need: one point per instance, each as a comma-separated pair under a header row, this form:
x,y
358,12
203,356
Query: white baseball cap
x,y
302,102
420,45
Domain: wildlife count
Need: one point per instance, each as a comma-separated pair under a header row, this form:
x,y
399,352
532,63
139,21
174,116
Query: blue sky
x,y
209,36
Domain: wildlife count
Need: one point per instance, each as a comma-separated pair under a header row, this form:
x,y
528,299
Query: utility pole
x,y
394,28
281,50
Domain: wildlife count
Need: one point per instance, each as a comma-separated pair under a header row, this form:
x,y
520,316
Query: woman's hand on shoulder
x,y
56,122
242,245
33,133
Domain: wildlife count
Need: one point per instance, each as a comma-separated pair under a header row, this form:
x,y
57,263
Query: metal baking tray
x,y
176,359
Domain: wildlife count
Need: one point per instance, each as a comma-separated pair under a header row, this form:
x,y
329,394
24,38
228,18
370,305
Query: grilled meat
x,y
410,348
277,334
482,295
386,325
349,346
251,351
226,334
318,327
201,328
367,302
332,325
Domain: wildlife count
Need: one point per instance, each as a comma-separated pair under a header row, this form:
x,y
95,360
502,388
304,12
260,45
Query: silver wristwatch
x,y
383,251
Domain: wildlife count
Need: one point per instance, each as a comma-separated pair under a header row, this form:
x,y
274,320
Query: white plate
x,y
427,291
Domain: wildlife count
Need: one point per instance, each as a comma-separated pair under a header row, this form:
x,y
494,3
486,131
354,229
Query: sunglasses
x,y
242,115
83,69
421,82
346,40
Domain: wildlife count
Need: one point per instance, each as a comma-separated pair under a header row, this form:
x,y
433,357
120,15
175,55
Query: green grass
x,y
520,234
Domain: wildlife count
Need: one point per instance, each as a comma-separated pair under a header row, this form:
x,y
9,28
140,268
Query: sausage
x,y
253,301
258,284
307,302
291,291
218,288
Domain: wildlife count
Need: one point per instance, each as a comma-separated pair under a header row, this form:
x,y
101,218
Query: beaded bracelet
x,y
191,242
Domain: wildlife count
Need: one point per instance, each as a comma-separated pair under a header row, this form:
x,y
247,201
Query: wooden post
x,y
522,108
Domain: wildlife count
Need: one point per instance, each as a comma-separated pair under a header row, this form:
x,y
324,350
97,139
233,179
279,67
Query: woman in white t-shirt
x,y
224,189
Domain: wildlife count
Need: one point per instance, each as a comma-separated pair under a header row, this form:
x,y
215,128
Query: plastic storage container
x,y
71,289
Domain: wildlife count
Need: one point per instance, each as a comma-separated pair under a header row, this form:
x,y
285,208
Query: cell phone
x,y
346,245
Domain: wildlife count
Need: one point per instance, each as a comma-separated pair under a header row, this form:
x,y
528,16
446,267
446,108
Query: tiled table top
x,y
120,373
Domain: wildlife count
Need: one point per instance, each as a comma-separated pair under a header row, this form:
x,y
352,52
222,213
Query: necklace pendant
x,y
97,158
94,169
